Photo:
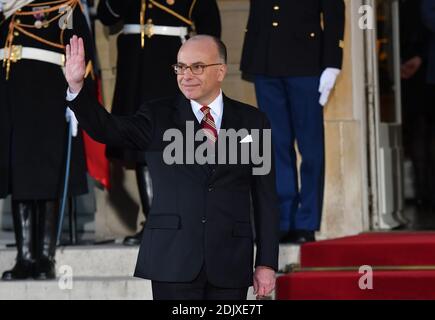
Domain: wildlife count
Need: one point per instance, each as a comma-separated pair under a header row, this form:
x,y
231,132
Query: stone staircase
x,y
95,272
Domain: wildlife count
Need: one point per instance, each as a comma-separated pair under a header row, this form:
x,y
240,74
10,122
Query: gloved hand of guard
x,y
327,83
72,121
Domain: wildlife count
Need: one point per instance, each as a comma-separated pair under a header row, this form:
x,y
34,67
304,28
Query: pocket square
x,y
246,139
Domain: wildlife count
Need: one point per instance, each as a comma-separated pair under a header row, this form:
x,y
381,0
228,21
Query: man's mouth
x,y
190,86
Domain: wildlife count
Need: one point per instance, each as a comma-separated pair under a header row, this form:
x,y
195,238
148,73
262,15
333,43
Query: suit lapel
x,y
182,114
231,119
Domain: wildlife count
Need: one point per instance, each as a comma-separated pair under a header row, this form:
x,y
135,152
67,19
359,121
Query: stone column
x,y
346,192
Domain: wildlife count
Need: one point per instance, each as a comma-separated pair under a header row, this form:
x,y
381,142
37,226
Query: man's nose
x,y
188,73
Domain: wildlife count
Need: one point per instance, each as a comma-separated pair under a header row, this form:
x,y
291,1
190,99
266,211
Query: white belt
x,y
151,30
20,52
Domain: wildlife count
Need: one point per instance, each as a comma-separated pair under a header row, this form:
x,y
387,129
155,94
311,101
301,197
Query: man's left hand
x,y
264,281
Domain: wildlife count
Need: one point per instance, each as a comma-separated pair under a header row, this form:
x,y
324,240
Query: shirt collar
x,y
216,106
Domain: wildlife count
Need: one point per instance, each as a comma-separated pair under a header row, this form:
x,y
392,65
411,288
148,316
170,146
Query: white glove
x,y
327,83
72,120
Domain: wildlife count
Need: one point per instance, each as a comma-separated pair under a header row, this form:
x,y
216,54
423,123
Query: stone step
x,y
113,260
88,261
83,288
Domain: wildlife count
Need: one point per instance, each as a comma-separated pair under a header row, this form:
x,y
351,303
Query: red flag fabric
x,y
97,163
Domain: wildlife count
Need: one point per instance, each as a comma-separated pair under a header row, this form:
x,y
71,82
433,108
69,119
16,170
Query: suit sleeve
x,y
134,132
207,18
110,12
266,212
428,14
333,21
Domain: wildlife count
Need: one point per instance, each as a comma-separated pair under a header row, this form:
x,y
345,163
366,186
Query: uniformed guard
x,y
33,130
152,34
293,53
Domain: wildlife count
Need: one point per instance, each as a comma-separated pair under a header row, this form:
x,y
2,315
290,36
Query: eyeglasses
x,y
196,68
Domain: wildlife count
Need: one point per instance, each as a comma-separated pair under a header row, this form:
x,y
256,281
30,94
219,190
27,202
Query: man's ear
x,y
222,72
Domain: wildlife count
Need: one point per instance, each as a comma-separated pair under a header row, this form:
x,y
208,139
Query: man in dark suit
x,y
198,241
293,52
153,32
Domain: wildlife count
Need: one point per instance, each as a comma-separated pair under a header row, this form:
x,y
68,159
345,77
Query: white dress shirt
x,y
71,96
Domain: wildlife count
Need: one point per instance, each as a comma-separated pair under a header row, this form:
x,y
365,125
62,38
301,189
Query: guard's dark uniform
x,y
144,73
285,51
285,37
33,129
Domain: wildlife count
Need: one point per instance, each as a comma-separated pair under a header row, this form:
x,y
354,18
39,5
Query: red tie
x,y
208,124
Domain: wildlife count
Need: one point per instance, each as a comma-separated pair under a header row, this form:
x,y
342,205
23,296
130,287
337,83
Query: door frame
x,y
385,155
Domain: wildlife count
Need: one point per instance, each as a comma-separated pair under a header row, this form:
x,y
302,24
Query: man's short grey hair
x,y
222,48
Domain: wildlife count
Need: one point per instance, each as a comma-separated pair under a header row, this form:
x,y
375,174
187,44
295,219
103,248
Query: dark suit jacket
x,y
200,213
296,45
428,13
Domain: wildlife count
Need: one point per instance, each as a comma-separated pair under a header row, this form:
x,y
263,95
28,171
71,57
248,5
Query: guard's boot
x,y
48,215
145,192
23,214
134,240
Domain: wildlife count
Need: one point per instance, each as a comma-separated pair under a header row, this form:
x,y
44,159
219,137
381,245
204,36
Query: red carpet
x,y
393,285
382,249
374,249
